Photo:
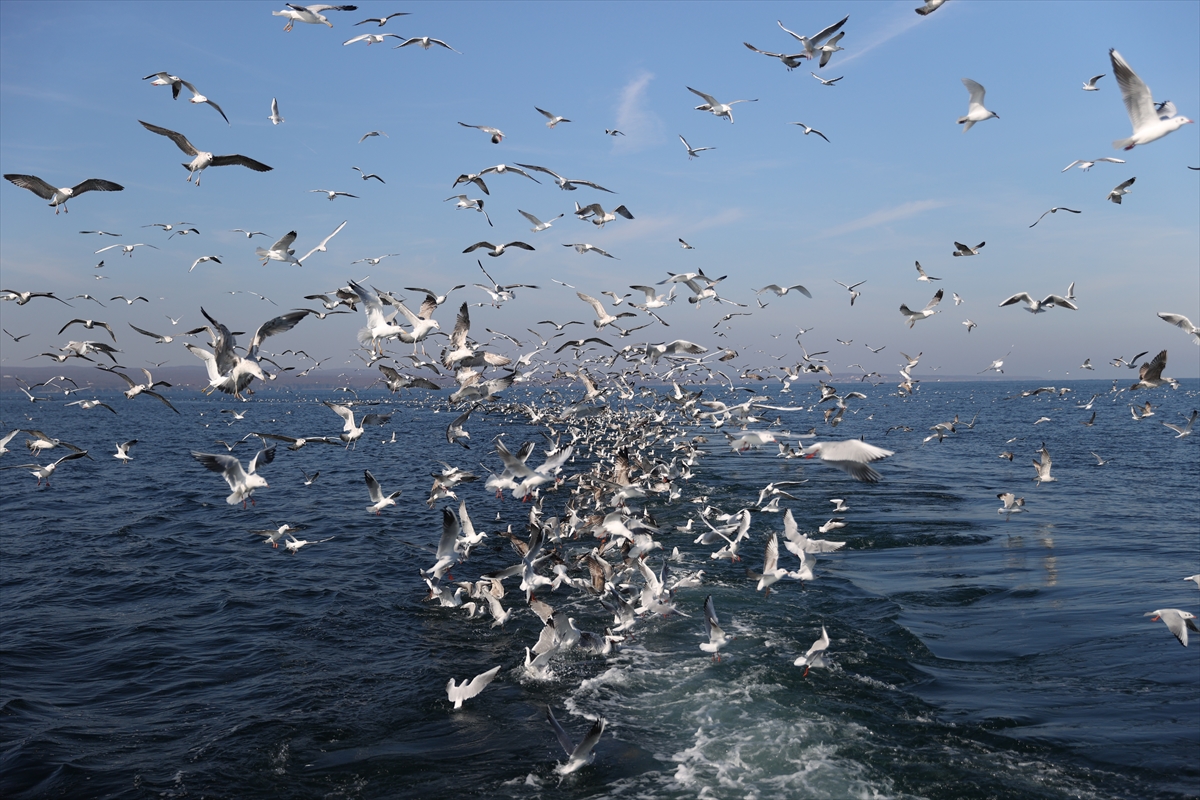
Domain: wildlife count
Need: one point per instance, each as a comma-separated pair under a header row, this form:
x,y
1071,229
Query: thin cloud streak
x,y
902,22
883,217
642,127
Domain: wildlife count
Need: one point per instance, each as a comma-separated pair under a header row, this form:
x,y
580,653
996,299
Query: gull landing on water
x,y
580,755
975,110
468,689
243,482
1150,123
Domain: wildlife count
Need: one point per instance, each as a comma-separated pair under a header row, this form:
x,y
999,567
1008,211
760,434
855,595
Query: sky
x,y
897,182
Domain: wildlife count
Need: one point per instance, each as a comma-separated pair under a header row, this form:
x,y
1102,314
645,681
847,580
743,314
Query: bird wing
x,y
345,412
97,185
33,184
450,531
937,298
1139,103
594,303
708,98
179,139
825,34
1018,298
1152,369
284,322
229,467
373,487
563,739
266,456
241,161
976,91
324,241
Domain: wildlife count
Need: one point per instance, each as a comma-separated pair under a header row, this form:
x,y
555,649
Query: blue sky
x,y
898,181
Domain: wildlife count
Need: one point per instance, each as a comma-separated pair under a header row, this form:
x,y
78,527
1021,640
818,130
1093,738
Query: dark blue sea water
x,y
153,647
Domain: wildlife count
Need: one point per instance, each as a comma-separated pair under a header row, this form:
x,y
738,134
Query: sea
x,y
153,646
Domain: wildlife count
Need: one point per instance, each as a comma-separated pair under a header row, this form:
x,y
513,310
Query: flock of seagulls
x,y
634,452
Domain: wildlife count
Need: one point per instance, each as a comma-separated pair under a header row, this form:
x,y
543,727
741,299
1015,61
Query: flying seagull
x,y
275,118
60,196
308,14
496,134
975,110
554,118
1091,86
1149,122
1055,210
203,160
1119,190
808,130
1087,165
694,151
718,109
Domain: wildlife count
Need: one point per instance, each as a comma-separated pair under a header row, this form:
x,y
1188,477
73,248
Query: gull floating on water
x,y
60,196
975,110
1149,122
203,160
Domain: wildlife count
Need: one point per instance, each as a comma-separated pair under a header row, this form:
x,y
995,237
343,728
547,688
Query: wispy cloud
x,y
641,126
883,217
898,20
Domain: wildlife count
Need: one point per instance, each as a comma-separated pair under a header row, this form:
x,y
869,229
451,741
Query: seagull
x,y
808,130
975,110
369,134
275,118
308,14
613,132
90,324
1012,504
599,216
102,233
780,291
921,274
693,151
604,318
970,325
963,250
1039,307
366,176
497,250
122,453
716,636
853,294
815,657
789,61
241,482
566,184
383,20
1091,86
1043,467
1087,165
582,247
280,251
817,43
538,225
1150,376
425,42
199,98
60,196
379,500
374,262
332,194
249,234
554,118
710,104
126,249
466,690
1178,622
467,202
1119,190
929,7
577,755
928,311
1184,430
851,456
43,473
1183,323
824,82
371,38
685,245
1149,123
203,160
1055,210
501,169
322,247
166,79
496,134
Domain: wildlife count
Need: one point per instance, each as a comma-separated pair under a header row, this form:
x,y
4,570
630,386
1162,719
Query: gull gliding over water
x,y
242,482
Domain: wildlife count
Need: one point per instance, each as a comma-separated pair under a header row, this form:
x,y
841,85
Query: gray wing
x,y
97,185
1139,104
33,184
179,139
240,161
563,739
284,322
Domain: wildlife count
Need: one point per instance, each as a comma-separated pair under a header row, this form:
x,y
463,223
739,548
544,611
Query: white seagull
x,y
1087,165
379,500
60,196
242,482
717,109
815,657
693,151
964,250
538,225
808,130
580,755
468,689
827,82
716,636
1149,122
1178,622
1091,86
203,160
817,43
852,456
554,118
425,42
1054,210
332,194
308,14
1043,467
1181,430
1039,306
921,276
1183,323
280,251
1120,190
915,316
975,110
275,118
122,453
